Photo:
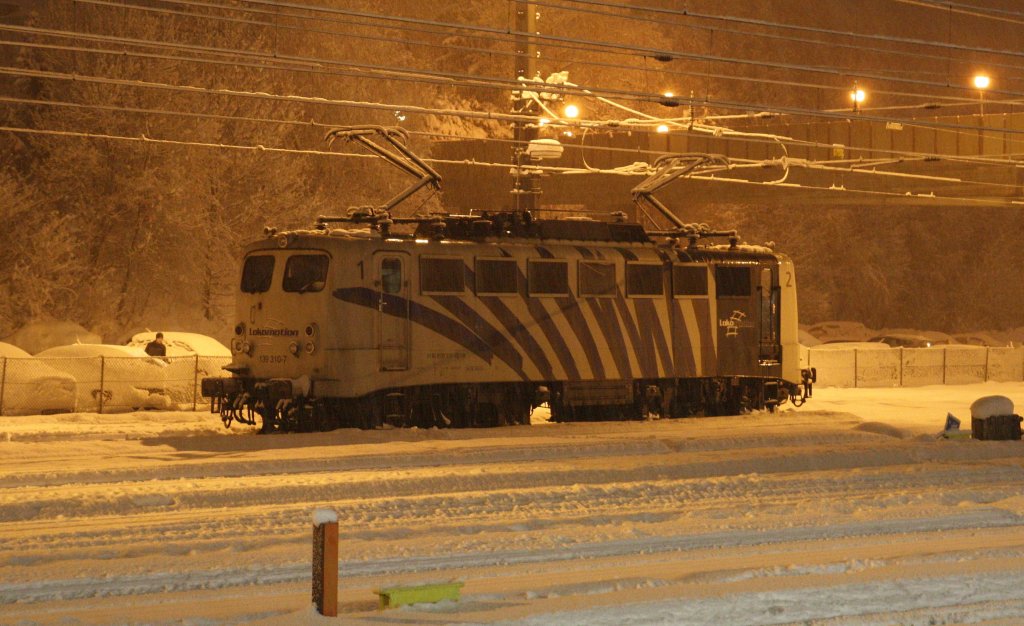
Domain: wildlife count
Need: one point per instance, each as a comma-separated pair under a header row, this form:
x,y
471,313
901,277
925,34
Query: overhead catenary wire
x,y
264,149
783,26
961,101
312,64
964,9
407,107
632,50
510,117
406,74
1008,160
575,61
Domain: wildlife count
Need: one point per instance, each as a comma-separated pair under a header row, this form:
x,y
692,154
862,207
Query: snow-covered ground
x,y
846,511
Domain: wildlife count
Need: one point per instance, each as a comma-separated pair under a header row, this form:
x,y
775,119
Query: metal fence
x,y
31,386
910,367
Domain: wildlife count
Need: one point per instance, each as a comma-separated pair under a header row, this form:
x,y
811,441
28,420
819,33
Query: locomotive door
x,y
768,292
392,280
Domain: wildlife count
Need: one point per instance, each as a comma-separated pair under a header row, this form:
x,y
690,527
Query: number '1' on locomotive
x,y
475,320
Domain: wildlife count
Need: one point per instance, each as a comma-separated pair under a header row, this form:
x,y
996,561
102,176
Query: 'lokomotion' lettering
x,y
273,332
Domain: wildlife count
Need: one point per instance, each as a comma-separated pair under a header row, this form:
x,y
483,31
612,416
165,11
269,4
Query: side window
x,y
442,275
644,279
690,280
391,275
496,276
732,281
257,273
597,278
305,272
548,278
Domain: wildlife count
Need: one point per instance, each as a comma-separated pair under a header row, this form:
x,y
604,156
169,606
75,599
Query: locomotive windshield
x,y
305,272
257,273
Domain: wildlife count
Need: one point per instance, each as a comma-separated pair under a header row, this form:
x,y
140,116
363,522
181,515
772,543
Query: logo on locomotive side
x,y
734,323
273,332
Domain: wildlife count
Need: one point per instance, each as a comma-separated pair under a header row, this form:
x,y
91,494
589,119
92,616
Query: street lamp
x,y
571,111
857,96
981,83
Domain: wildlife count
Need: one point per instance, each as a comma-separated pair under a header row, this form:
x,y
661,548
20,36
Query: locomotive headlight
x,y
293,347
246,348
239,329
310,347
236,345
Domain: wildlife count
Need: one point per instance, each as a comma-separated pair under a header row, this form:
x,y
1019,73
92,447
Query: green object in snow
x,y
392,597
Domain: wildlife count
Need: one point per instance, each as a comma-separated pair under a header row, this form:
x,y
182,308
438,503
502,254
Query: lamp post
x,y
981,83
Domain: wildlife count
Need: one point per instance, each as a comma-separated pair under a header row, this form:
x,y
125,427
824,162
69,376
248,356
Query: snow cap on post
x,y
324,516
990,406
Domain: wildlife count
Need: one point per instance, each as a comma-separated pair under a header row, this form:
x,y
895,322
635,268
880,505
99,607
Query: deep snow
x,y
848,510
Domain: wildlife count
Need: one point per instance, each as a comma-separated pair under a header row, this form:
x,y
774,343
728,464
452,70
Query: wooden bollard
x,y
325,562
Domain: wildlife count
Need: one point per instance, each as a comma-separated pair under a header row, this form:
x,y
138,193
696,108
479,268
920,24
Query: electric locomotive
x,y
474,320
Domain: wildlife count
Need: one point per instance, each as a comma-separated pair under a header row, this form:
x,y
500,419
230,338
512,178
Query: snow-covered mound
x,y
35,337
10,351
183,344
32,387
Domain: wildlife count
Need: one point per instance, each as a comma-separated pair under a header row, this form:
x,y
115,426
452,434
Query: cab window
x,y
305,272
257,273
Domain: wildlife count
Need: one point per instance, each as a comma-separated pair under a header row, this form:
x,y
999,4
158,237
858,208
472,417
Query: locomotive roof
x,y
547,232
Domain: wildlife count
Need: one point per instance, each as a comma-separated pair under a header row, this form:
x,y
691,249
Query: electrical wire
x,y
593,45
428,110
388,106
769,24
509,53
395,73
859,48
564,170
948,7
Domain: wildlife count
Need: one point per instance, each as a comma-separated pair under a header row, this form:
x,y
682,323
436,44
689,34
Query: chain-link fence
x,y
910,367
32,386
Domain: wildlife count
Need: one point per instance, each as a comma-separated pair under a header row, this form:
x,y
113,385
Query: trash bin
x,y
996,427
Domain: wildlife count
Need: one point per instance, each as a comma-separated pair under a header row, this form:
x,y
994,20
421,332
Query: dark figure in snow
x,y
157,347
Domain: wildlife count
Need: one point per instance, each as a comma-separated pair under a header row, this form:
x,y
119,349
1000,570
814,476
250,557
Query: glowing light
x,y
567,133
662,128
571,111
543,121
981,81
669,94
858,95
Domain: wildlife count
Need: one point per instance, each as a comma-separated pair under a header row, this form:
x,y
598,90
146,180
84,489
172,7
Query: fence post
x,y
195,383
3,386
102,363
325,562
944,366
